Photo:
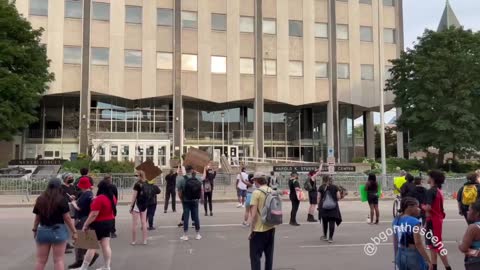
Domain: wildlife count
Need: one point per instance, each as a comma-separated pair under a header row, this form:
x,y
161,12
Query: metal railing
x,y
28,185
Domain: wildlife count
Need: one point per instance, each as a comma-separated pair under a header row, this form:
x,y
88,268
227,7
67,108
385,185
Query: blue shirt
x,y
403,230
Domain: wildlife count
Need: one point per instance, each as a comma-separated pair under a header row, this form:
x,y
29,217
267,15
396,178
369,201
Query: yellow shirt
x,y
258,199
398,182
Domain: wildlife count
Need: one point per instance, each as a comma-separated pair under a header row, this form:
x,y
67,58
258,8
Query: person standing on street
x,y
82,207
108,179
435,216
409,251
311,187
329,210
152,192
470,244
100,220
190,192
262,236
467,195
421,196
84,173
208,180
52,217
242,187
371,187
138,207
170,191
70,194
294,186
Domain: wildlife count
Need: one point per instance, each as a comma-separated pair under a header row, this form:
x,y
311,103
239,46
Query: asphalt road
x,y
225,245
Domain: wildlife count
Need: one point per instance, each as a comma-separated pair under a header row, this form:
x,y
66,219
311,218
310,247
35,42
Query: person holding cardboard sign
x,y
101,219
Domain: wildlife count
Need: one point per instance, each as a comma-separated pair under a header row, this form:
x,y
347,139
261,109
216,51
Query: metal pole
x,y
382,97
61,131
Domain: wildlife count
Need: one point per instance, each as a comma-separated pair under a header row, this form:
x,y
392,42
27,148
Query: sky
x,y
419,15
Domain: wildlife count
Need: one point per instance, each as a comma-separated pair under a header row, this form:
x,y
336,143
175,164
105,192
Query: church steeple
x,y
448,18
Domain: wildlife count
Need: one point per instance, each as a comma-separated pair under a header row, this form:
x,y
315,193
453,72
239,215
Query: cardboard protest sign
x,y
196,158
87,240
151,171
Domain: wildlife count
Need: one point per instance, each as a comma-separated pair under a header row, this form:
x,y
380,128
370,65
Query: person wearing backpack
x,y
328,208
265,213
138,207
190,192
468,195
294,187
151,190
208,179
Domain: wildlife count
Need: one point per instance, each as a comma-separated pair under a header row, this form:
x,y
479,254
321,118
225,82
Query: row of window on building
x,y
133,14
133,59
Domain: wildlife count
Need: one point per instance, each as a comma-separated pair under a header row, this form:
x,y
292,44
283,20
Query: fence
x,y
27,185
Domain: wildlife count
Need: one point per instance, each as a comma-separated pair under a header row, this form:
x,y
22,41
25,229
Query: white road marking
x,y
360,245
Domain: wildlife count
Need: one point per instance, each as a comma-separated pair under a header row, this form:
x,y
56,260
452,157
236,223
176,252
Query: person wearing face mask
x,y
208,179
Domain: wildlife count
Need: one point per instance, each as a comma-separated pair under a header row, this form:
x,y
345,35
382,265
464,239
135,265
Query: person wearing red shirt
x,y
101,220
435,215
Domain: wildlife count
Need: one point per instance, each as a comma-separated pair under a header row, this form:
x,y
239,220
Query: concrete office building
x,y
281,79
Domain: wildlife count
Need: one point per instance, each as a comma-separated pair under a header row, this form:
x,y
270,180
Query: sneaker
x,y
245,224
198,237
184,238
239,205
165,211
180,224
324,238
211,214
145,242
151,228
243,205
206,214
68,251
133,243
330,241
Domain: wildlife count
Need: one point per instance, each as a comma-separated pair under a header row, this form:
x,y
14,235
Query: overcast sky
x,y
425,14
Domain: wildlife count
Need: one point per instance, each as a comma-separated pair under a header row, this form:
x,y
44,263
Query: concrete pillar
x,y
177,71
369,126
259,102
85,91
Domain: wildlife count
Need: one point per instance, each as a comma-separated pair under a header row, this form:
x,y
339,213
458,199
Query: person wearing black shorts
x,y
372,196
101,220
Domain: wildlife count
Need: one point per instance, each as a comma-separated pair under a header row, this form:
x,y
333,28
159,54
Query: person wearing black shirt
x,y
408,189
472,181
294,186
82,207
421,195
329,216
83,173
70,193
208,179
170,190
372,196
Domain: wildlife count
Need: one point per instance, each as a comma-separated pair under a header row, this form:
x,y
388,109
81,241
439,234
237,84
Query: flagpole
x,y
381,89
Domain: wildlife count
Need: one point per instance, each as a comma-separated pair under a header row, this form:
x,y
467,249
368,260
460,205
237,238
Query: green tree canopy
x,y
24,74
437,86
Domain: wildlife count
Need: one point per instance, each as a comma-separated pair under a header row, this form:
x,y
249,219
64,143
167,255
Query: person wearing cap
x,y
51,225
82,207
294,186
262,236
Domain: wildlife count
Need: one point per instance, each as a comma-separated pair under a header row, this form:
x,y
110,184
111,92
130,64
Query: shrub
x,y
111,166
396,164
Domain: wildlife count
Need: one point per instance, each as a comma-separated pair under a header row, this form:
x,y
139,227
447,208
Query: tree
x,y
437,86
24,74
390,141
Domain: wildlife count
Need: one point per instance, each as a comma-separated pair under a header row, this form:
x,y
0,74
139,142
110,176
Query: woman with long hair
x,y
371,187
410,253
138,207
328,208
101,220
470,245
311,187
52,217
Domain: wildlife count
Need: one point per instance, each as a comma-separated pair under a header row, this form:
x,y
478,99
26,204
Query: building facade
x,y
282,79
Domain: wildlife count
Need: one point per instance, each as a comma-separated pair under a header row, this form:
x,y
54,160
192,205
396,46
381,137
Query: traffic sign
x,y
331,161
331,152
